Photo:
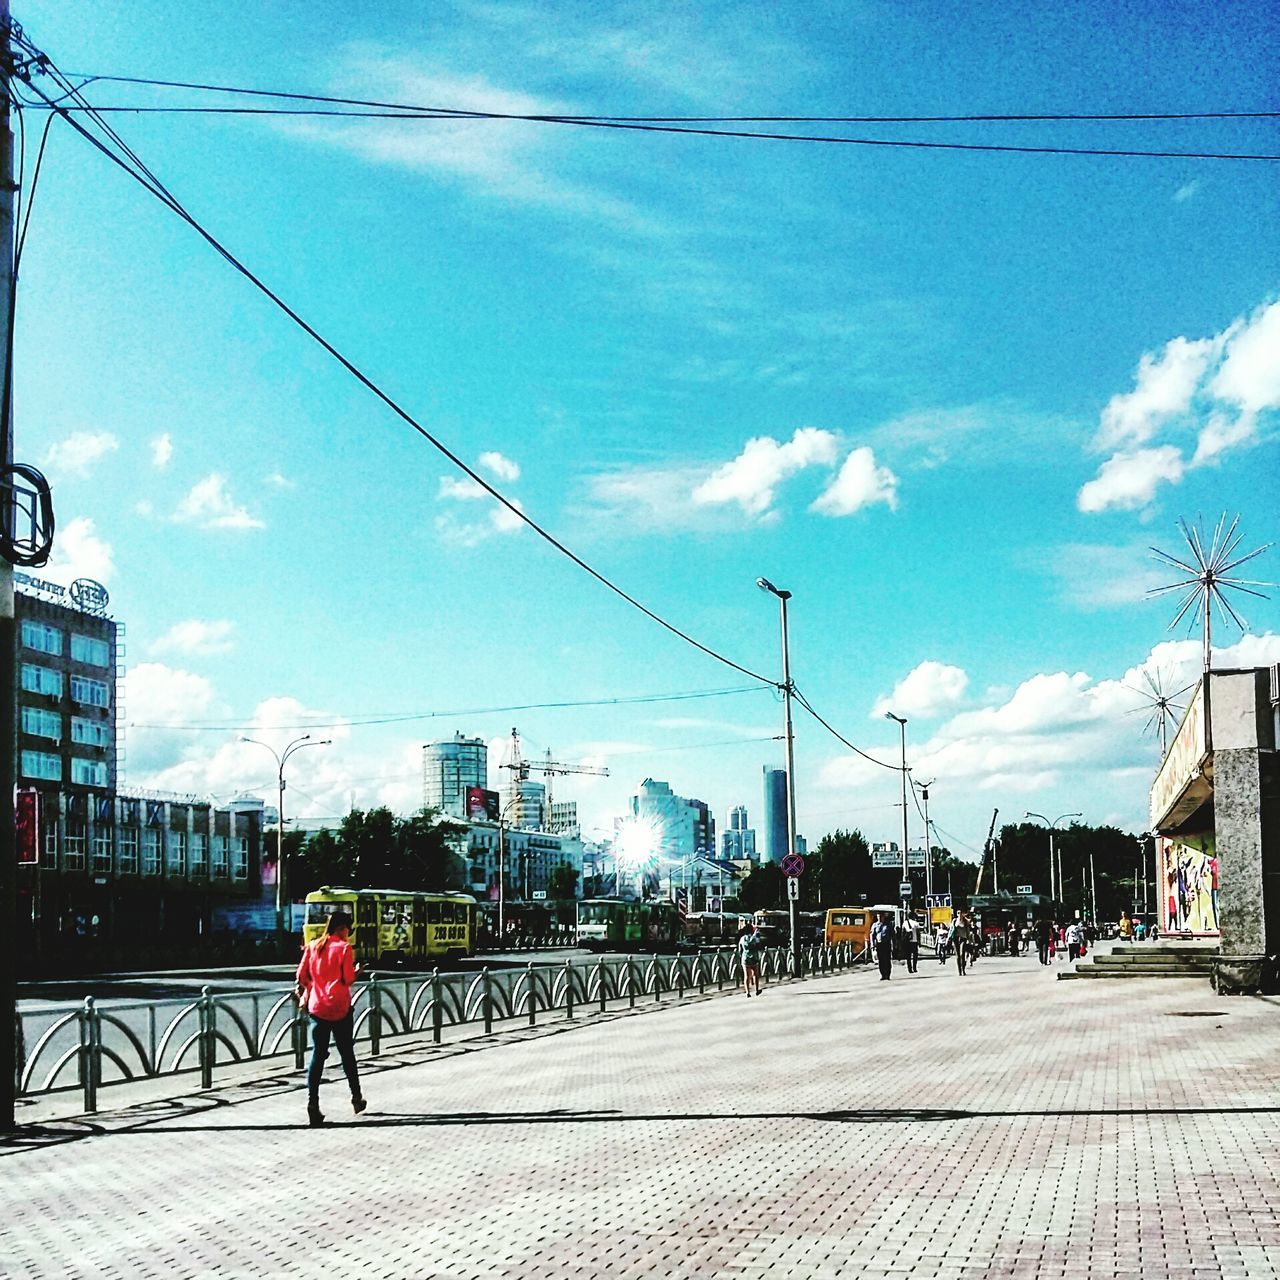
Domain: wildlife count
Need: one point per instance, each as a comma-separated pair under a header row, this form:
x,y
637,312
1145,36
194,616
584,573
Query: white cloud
x,y
79,451
278,480
859,484
645,499
1218,387
163,695
925,691
211,507
460,490
499,466
1187,190
752,477
161,450
1128,481
78,552
196,636
1165,385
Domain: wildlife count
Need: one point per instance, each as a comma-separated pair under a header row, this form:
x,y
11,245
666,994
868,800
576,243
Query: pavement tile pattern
x,y
995,1125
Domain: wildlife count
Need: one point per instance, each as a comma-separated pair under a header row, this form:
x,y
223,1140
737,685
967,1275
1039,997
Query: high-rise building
x,y
449,768
682,826
564,818
775,814
739,841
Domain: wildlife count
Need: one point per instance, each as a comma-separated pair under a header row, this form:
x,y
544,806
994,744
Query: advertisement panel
x,y
482,804
1173,795
26,826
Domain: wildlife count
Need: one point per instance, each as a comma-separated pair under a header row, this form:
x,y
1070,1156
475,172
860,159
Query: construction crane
x,y
988,849
549,768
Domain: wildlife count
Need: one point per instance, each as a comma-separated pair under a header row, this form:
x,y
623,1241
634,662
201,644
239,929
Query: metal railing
x,y
98,1046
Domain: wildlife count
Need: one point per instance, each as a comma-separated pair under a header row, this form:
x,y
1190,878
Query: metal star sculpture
x,y
1164,711
1208,571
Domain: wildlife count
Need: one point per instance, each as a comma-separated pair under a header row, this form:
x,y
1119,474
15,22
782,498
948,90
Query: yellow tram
x,y
395,927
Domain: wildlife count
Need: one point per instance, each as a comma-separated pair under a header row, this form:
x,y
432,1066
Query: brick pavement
x,y
1001,1124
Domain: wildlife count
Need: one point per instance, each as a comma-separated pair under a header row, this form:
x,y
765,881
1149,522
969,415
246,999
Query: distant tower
x,y
449,768
775,814
739,842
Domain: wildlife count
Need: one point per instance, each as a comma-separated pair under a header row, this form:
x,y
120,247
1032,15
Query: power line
x,y
804,702
148,180
223,726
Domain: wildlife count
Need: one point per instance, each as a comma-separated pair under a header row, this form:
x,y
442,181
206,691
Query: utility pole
x,y
8,845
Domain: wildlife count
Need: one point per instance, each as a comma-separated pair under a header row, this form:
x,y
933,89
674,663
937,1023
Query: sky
x,y
949,400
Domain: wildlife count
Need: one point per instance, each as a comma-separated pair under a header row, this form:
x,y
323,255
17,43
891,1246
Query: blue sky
x,y
948,400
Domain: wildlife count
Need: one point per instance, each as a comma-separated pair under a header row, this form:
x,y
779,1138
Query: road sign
x,y
1024,888
539,895
887,859
793,865
793,889
904,889
937,900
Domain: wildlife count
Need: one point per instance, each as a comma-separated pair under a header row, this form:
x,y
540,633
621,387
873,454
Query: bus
x,y
853,924
395,927
620,924
774,926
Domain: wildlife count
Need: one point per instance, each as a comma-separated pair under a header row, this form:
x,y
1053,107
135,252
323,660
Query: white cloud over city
x,y
196,636
1192,401
79,451
209,505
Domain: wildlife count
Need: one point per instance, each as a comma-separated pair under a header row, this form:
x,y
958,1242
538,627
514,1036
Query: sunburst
x,y
1164,710
1209,571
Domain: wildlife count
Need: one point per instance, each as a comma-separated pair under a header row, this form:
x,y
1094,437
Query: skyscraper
x,y
775,814
449,768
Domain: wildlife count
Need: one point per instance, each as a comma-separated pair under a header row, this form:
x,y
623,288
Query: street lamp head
x,y
765,585
902,720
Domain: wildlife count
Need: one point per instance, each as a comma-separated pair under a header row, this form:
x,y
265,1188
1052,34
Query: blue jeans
x,y
343,1032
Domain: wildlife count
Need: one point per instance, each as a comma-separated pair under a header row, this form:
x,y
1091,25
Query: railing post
x,y
702,973
437,1013
88,1075
679,971
719,968
208,1046
600,971
631,984
568,989
375,1016
657,978
299,1033
486,999
533,995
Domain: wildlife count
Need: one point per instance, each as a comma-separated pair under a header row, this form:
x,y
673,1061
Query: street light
x,y
502,868
1052,828
783,596
902,725
928,851
280,758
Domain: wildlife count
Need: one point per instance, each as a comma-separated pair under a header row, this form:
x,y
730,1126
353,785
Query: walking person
x,y
882,941
941,941
911,928
325,977
1075,939
1043,933
960,940
749,948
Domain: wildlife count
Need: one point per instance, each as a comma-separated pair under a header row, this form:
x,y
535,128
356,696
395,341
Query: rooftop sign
x,y
84,593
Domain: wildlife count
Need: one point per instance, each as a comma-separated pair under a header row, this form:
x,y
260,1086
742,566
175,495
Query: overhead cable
x,y
145,178
804,702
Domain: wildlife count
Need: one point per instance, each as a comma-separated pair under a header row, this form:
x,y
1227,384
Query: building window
x,y
177,853
240,869
92,693
49,851
86,649
36,635
41,723
128,851
90,733
41,679
89,773
73,847
199,853
102,849
220,856
40,764
151,852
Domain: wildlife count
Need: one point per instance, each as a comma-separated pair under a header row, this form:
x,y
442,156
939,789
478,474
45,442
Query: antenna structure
x,y
1164,710
1208,566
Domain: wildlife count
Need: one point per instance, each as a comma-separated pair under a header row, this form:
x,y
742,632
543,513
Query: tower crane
x,y
549,768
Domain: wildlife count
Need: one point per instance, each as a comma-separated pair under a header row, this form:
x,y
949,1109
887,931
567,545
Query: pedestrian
x,y
960,940
1013,939
1075,940
749,948
325,977
1126,927
941,941
882,942
1153,933
1140,931
911,930
1044,936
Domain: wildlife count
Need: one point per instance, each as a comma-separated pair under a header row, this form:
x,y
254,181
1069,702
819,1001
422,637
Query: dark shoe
x,y
358,1105
314,1118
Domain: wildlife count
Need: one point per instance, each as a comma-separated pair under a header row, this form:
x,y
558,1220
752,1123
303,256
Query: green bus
x,y
621,924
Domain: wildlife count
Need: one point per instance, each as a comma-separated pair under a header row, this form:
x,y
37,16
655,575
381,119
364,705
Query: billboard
x,y
482,804
26,826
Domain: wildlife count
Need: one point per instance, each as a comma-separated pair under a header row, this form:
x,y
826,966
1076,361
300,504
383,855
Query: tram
x,y
620,924
395,927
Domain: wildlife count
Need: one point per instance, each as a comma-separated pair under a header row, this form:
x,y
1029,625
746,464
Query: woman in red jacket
x,y
325,976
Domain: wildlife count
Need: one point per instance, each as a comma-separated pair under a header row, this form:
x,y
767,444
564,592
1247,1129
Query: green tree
x,y
841,867
428,852
321,861
564,883
763,889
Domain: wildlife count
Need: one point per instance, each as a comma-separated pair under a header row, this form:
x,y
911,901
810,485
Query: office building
x,y
449,768
775,814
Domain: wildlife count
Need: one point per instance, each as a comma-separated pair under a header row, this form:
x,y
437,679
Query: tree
x,y
427,850
763,889
841,867
321,861
563,884
377,850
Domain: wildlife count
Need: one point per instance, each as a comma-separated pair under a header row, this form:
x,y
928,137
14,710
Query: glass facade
x,y
45,639
37,679
91,693
41,723
97,653
39,764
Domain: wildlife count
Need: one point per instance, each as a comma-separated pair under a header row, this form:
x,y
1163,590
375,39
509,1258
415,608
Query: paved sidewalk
x,y
1003,1124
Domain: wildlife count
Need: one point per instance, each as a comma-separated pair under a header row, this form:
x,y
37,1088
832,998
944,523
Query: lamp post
x,y
902,726
502,869
928,851
1052,828
783,596
281,758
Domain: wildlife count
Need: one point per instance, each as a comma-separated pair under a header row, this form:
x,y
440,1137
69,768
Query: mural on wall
x,y
1190,875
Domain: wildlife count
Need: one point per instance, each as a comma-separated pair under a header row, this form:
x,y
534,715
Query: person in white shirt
x,y
911,938
1075,937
